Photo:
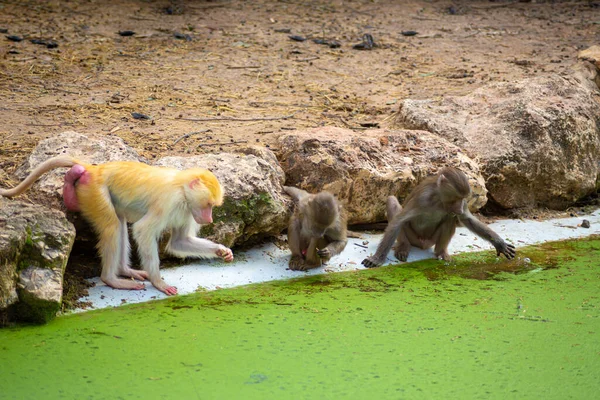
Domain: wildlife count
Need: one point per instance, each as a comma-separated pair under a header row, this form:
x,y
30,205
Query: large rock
x,y
254,206
591,54
35,244
537,140
363,168
89,149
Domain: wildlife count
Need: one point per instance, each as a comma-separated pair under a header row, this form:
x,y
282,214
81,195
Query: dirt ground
x,y
233,65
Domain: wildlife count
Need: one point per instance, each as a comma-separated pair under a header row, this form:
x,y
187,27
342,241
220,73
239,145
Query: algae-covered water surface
x,y
479,327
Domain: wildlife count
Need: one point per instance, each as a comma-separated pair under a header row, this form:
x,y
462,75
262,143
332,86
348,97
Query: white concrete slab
x,y
268,262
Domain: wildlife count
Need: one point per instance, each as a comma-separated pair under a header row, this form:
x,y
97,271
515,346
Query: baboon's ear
x,y
441,180
194,184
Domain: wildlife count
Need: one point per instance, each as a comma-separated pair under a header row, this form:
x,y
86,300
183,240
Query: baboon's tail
x,y
56,162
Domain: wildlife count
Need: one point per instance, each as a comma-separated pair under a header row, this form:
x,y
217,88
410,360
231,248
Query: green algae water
x,y
478,328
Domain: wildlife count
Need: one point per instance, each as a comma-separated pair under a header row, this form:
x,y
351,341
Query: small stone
x,y
585,224
183,36
297,38
368,43
409,33
137,115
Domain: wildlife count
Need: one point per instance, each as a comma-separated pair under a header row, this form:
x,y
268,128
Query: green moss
x,y
30,309
29,237
207,230
392,332
30,253
246,209
31,250
240,213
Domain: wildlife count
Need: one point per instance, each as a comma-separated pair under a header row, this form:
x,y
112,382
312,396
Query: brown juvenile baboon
x,y
429,218
317,229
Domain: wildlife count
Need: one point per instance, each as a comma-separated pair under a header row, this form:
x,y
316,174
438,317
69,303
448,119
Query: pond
x,y
479,327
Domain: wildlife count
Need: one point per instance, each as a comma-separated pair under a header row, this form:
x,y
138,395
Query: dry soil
x,y
233,65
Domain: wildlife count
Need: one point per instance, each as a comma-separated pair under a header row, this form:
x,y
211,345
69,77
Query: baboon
x,y
429,218
317,229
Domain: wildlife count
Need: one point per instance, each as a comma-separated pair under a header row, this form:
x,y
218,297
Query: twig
x,y
238,119
307,59
425,18
142,19
565,226
243,66
488,7
470,34
222,144
270,104
356,128
61,124
182,89
60,90
187,135
361,245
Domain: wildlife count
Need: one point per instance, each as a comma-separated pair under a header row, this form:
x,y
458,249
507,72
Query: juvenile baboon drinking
x,y
317,229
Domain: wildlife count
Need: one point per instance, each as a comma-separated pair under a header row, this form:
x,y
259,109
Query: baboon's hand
x,y
504,248
443,255
372,262
401,255
297,264
225,253
324,253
